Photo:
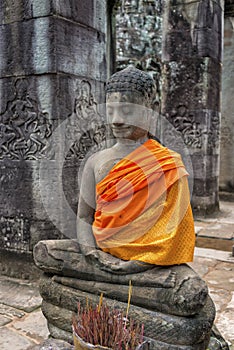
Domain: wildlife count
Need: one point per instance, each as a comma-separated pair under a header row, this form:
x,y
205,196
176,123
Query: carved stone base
x,y
167,332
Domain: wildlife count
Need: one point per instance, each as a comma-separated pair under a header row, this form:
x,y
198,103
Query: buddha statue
x,y
134,223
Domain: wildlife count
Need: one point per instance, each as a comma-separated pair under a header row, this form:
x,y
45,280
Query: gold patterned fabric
x,y
170,240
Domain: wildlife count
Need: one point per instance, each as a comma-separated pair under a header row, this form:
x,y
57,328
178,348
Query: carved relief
x,y
8,177
24,128
139,38
138,30
227,135
85,125
15,233
192,131
185,123
214,131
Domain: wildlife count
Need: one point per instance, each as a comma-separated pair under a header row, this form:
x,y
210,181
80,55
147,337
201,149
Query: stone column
x,y
192,54
52,70
227,129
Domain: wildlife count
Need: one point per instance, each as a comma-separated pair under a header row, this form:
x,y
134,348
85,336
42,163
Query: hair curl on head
x,y
132,79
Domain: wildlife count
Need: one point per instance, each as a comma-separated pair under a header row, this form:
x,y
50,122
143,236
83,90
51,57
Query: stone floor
x,y
23,325
217,231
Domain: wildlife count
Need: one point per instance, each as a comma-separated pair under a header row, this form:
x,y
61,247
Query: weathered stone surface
x,y
214,243
211,253
44,51
194,29
18,265
54,344
72,51
19,12
200,269
220,230
4,320
64,258
154,345
192,53
179,289
208,166
217,341
25,185
10,312
223,321
10,294
138,31
138,39
58,316
58,333
200,263
227,132
35,54
57,294
90,13
11,340
27,326
220,297
43,64
197,80
217,279
155,299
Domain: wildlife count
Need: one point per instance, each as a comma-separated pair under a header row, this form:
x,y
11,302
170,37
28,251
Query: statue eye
x,y
109,110
126,110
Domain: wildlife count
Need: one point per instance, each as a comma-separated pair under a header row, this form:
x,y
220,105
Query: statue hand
x,y
130,267
102,260
109,263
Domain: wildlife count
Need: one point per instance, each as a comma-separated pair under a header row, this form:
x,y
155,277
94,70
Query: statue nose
x,y
117,119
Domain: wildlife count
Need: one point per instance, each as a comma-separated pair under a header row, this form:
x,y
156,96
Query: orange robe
x,y
143,208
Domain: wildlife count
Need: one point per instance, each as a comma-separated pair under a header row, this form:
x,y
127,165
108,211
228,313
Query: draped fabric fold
x,y
143,208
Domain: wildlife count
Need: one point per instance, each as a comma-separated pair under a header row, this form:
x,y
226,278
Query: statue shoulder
x,y
98,156
97,159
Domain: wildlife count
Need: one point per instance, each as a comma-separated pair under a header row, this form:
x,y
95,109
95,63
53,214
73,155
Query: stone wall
x,y
52,69
192,54
227,129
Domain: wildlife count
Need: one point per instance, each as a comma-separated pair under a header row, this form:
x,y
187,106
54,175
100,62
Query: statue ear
x,y
152,122
149,117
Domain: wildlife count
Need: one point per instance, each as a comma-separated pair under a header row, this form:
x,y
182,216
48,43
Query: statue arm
x,y
86,209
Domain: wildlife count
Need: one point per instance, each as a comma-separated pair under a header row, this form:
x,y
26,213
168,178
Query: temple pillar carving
x,y
52,62
192,55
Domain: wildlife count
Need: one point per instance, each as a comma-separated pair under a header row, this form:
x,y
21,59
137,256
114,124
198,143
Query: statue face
x,y
127,115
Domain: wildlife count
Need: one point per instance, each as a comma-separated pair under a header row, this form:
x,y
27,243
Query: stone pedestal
x,y
172,302
52,70
227,129
192,53
165,331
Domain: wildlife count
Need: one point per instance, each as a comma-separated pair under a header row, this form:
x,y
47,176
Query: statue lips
x,y
121,129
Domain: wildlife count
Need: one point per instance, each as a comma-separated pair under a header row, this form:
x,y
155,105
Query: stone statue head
x,y
133,81
130,93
